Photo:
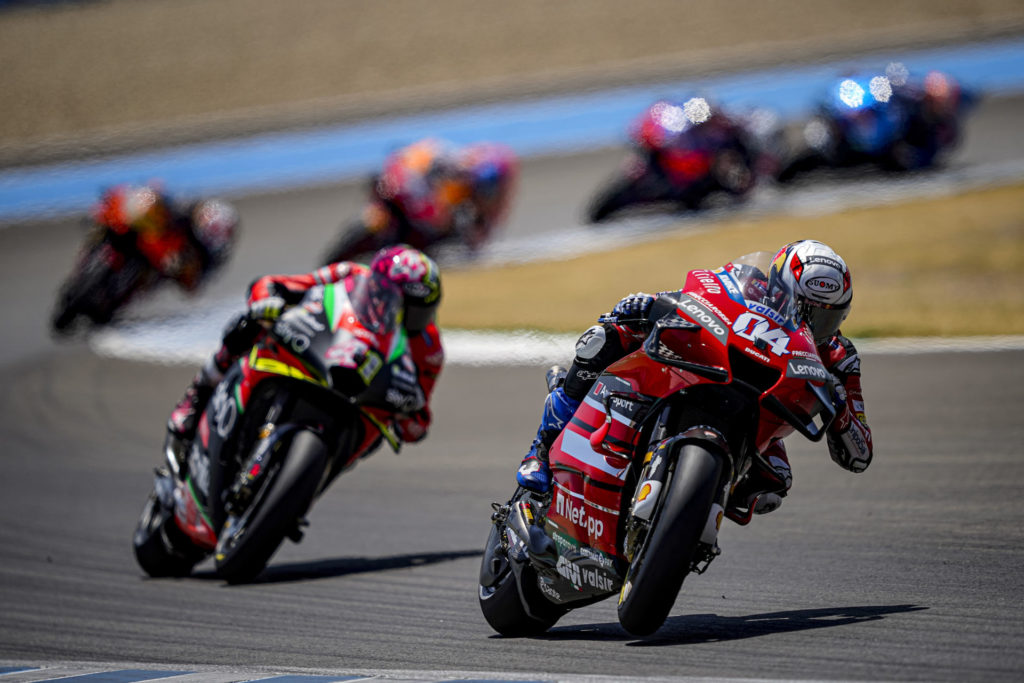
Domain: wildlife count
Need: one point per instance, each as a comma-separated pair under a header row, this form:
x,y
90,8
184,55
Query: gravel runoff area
x,y
83,78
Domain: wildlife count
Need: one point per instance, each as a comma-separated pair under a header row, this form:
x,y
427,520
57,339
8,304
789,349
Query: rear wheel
x,y
664,558
63,316
647,187
502,595
160,548
97,291
620,193
119,287
251,538
83,287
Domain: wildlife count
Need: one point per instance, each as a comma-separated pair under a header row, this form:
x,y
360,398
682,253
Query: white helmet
x,y
820,282
215,224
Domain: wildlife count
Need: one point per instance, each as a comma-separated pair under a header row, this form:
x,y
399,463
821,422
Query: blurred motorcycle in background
x,y
432,193
138,237
680,154
893,121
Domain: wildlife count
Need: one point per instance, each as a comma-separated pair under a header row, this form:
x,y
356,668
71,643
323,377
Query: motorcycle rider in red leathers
x,y
448,190
822,282
183,243
414,273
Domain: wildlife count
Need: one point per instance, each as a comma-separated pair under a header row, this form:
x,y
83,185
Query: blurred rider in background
x,y
894,120
412,272
935,105
448,191
804,266
185,243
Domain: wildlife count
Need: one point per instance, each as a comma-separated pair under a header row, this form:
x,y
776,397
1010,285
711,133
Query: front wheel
x,y
635,188
657,571
250,539
98,290
622,192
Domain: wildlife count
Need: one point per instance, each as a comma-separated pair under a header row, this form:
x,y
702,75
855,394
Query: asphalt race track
x,y
910,571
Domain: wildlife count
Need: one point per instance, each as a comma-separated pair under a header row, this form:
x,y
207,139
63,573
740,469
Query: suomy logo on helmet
x,y
825,285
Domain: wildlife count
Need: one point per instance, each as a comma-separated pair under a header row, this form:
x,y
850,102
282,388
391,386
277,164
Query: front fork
x,y
649,496
254,469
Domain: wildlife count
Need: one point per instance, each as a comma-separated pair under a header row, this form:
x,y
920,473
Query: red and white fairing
x,y
591,457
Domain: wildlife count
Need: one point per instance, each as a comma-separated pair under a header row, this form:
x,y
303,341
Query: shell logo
x,y
645,491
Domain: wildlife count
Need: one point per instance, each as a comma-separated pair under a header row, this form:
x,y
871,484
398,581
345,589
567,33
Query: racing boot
x,y
534,472
764,488
238,336
185,416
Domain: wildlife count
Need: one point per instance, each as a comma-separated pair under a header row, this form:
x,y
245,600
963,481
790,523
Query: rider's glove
x,y
268,308
847,443
413,427
633,307
407,399
238,336
848,449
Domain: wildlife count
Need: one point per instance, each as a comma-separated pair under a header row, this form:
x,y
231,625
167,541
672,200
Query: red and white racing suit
x,y
848,437
425,347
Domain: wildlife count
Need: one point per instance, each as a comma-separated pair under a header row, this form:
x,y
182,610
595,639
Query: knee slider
x,y
590,343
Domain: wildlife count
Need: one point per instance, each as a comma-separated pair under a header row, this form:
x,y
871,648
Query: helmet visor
x,y
377,303
824,320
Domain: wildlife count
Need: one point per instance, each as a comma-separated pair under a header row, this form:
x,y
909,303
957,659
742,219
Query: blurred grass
x,y
105,68
952,266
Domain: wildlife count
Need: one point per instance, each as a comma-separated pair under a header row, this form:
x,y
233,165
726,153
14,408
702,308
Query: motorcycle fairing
x,y
714,334
291,354
207,469
583,518
190,517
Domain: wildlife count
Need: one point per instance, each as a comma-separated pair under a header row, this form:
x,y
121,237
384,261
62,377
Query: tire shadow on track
x,y
708,628
343,566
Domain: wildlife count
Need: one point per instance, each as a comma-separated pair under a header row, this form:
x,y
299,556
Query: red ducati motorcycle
x,y
318,392
680,155
644,471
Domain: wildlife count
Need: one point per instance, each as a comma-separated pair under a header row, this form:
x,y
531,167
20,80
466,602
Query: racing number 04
x,y
754,327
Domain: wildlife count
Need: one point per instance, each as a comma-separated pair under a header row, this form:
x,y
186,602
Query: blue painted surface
x,y
309,679
559,124
122,676
4,670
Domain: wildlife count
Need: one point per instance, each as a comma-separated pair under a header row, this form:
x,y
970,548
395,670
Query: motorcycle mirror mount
x,y
806,426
